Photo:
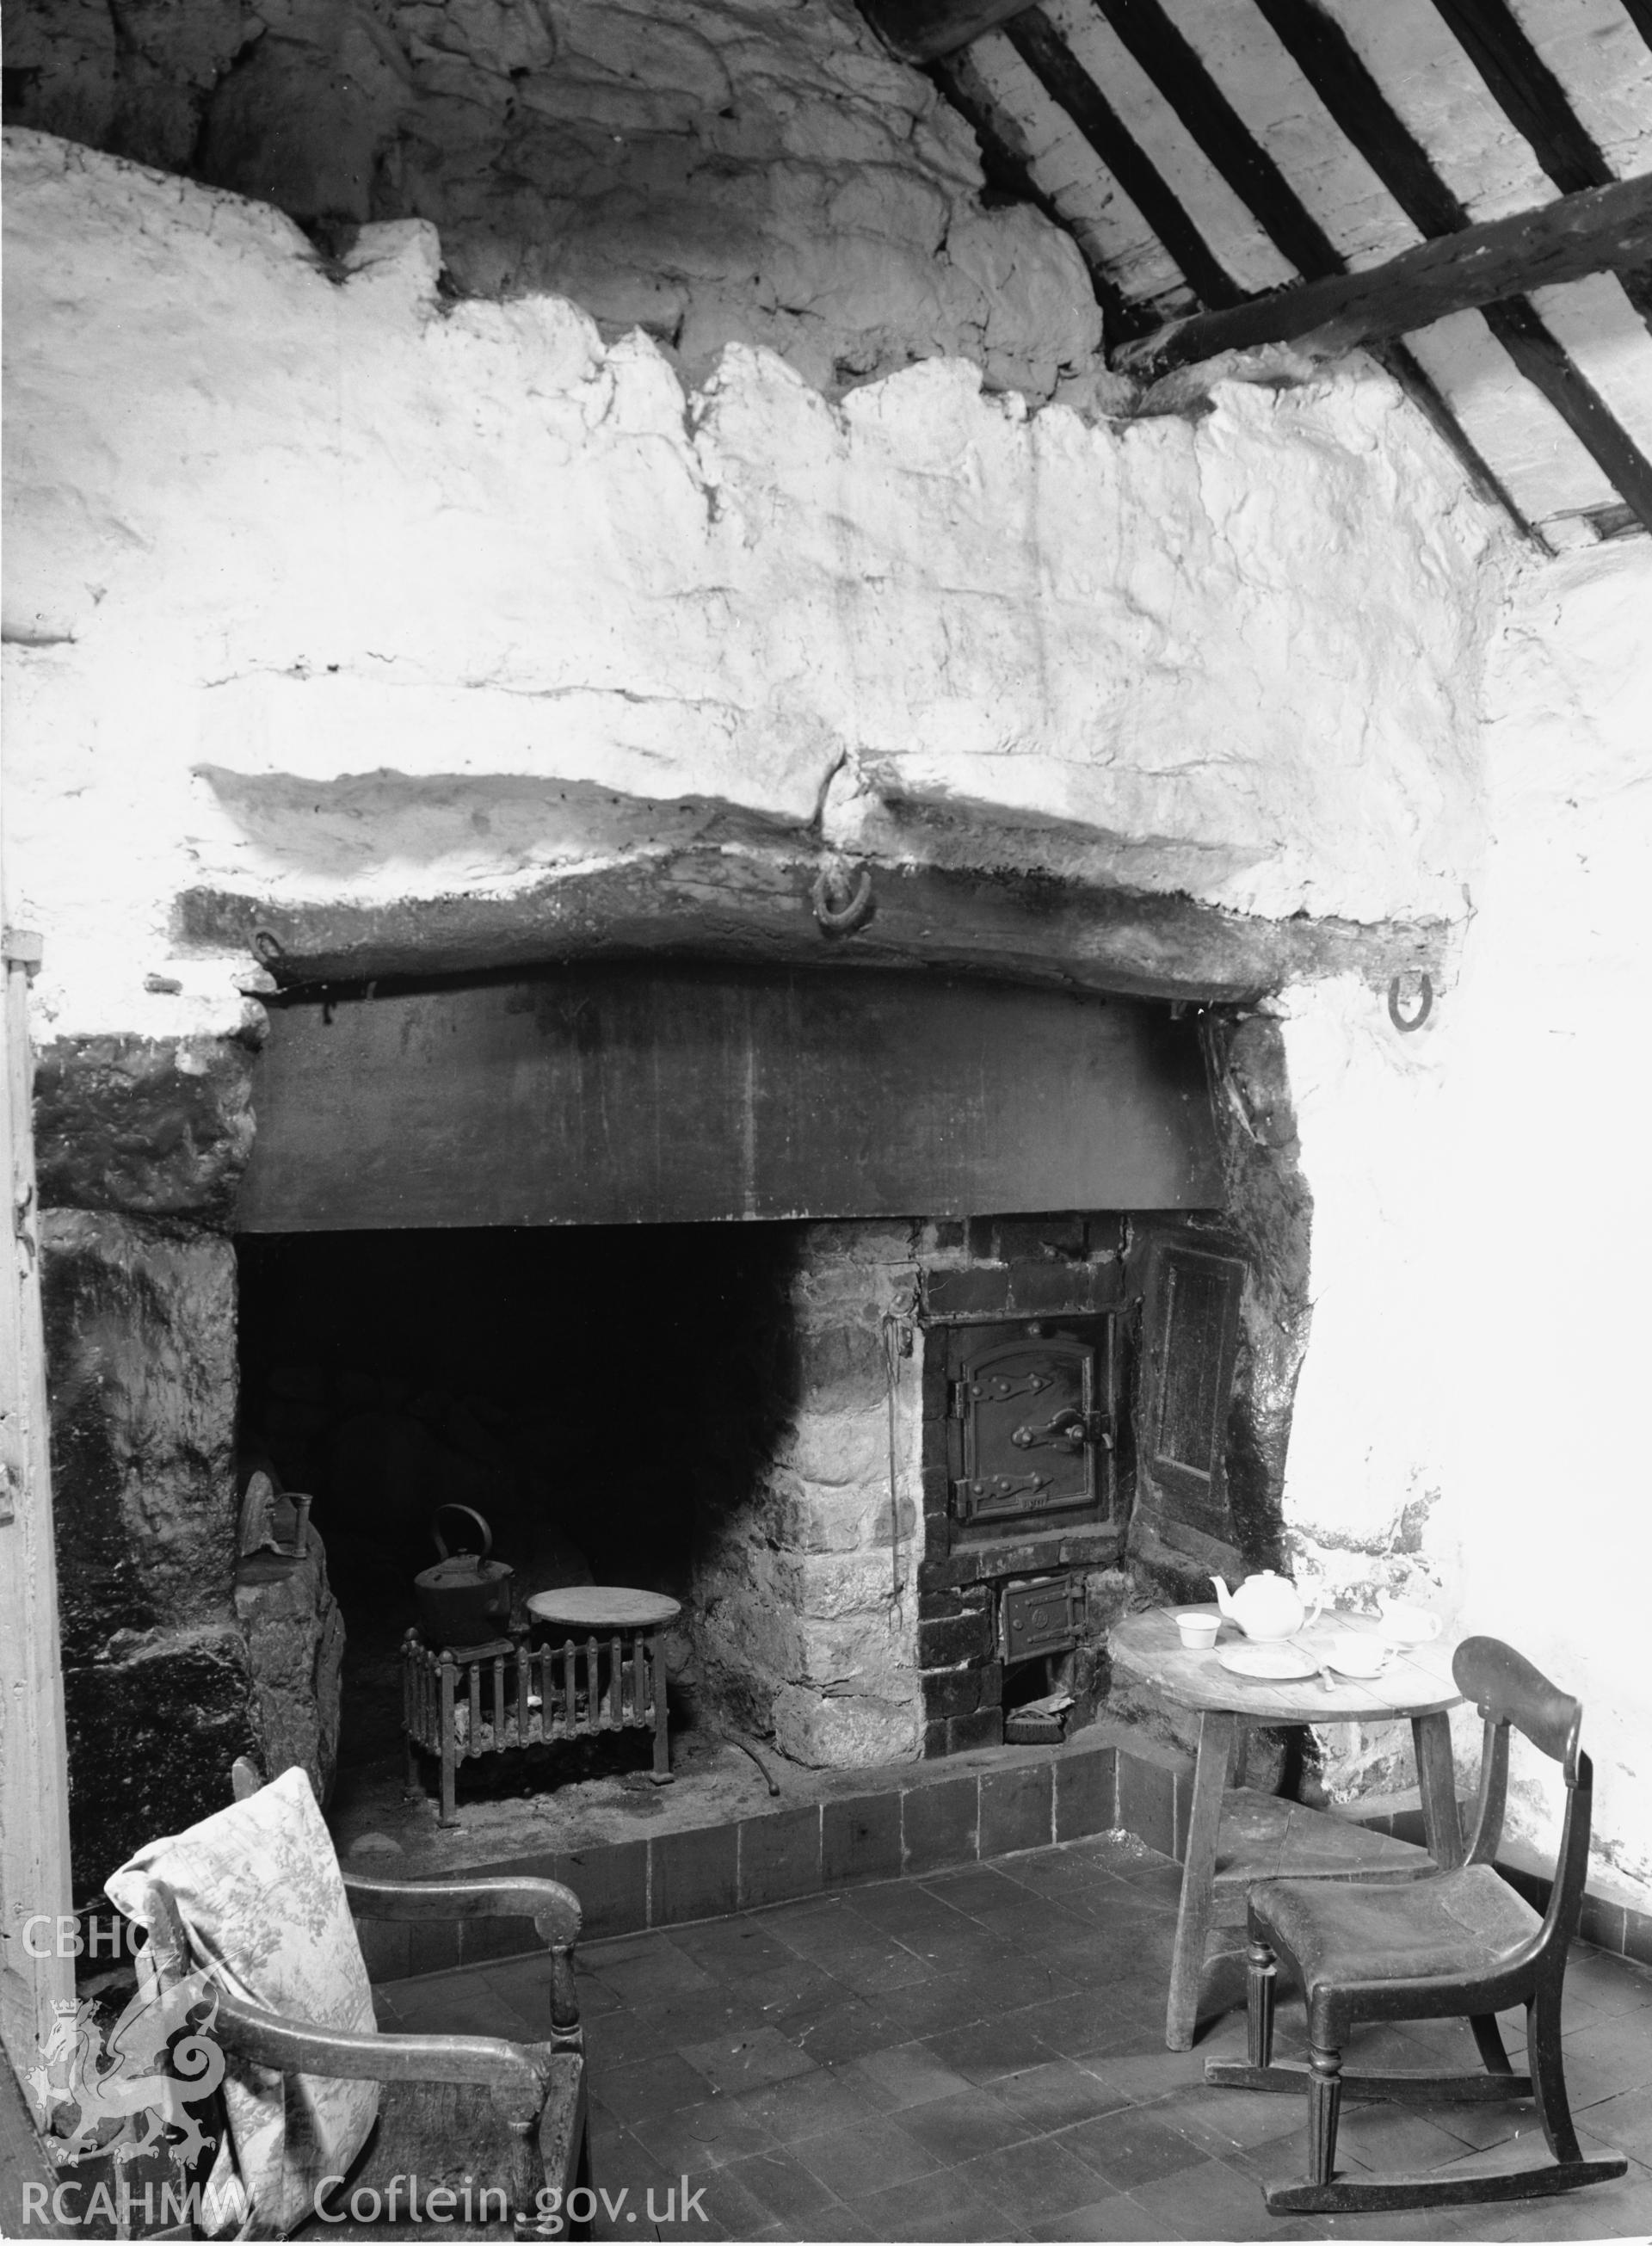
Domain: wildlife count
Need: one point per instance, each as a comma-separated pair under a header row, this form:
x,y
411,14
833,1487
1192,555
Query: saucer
x,y
1268,1658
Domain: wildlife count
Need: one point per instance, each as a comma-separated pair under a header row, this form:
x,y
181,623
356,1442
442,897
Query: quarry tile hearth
x,y
915,2093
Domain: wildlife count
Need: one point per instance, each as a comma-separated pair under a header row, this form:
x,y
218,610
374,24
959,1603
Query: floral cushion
x,y
259,1891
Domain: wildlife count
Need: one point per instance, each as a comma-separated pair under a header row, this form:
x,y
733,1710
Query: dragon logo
x,y
137,2075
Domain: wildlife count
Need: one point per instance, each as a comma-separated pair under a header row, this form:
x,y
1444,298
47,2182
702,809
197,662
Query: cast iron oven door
x,y
1031,1434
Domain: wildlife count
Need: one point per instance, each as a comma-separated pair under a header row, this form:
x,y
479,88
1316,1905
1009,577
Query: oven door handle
x,y
1070,1427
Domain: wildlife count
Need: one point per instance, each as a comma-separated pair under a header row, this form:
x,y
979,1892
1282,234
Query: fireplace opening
x,y
889,1469
601,1397
575,1252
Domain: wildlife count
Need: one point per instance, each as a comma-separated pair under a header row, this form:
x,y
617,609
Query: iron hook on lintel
x,y
1415,990
839,908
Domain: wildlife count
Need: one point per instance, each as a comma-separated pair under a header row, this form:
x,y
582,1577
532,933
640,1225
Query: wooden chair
x,y
1461,1943
462,2113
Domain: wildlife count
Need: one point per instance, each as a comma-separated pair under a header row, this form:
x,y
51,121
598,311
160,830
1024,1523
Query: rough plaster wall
x,y
760,172
1546,1119
349,529
1471,1419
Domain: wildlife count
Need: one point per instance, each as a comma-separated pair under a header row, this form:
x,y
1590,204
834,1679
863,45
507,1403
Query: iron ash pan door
x,y
1031,1431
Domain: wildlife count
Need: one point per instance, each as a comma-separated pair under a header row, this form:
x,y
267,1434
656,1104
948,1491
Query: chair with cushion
x,y
322,2113
1461,1943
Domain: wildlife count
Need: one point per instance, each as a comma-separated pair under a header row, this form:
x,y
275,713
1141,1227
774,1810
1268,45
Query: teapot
x,y
1264,1606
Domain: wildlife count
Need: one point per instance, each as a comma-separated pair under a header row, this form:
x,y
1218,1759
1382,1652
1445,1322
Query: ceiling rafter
x,y
1178,72
1431,401
1526,91
1538,106
1010,172
1070,87
1323,52
927,30
1546,366
1491,268
1174,66
1603,230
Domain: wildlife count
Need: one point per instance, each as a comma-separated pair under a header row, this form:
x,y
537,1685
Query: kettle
x,y
465,1598
1264,1606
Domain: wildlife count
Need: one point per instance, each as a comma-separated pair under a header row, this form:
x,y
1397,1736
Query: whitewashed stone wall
x,y
712,171
1483,1223
269,527
1543,1119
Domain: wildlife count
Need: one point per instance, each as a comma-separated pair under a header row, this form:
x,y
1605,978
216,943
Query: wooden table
x,y
1235,1834
610,1610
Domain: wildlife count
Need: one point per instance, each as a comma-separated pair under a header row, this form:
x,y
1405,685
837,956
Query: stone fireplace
x,y
893,1459
560,658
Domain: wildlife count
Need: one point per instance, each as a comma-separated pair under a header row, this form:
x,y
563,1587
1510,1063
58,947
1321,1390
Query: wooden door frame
x,y
34,1767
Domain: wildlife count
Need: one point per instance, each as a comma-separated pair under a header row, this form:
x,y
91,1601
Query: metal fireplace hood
x,y
664,1095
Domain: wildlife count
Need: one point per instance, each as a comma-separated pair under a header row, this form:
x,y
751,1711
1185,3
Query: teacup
x,y
1404,1624
1199,1630
1355,1655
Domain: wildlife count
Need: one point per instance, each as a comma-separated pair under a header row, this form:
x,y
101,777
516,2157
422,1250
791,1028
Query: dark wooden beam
x,y
1143,29
710,901
1326,58
1604,228
1609,521
1175,67
1538,106
1323,52
1070,87
1009,170
1179,73
1433,403
1526,91
1541,359
924,30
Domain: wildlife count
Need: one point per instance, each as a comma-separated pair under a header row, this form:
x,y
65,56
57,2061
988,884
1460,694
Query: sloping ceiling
x,y
1203,153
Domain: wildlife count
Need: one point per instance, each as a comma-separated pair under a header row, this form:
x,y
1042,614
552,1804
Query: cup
x,y
1355,1655
1404,1624
1199,1630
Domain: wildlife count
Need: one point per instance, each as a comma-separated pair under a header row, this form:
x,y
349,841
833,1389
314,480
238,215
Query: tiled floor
x,y
979,2054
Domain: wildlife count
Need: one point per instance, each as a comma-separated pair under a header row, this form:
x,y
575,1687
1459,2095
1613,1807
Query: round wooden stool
x,y
612,1611
603,1606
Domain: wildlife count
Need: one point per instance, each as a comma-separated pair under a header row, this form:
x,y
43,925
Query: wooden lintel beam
x,y
1603,230
924,30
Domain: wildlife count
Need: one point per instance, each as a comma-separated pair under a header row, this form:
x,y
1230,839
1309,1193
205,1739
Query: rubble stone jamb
x,y
141,1142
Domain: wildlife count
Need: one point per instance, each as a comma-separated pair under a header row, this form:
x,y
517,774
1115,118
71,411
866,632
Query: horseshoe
x,y
1405,1023
842,918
